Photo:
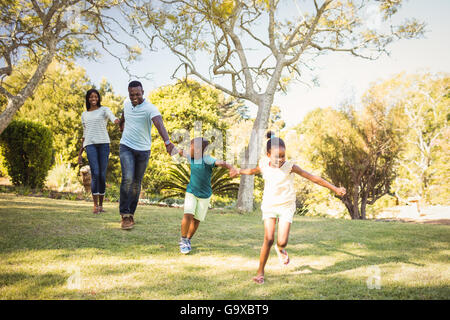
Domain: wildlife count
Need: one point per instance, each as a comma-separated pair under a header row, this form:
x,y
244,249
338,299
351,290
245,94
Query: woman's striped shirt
x,y
94,125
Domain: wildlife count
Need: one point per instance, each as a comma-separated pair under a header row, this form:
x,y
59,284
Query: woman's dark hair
x,y
88,94
273,141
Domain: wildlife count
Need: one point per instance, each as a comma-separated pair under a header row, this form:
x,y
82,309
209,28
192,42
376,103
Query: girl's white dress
x,y
279,193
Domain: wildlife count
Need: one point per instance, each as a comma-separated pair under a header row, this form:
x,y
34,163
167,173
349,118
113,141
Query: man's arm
x,y
159,124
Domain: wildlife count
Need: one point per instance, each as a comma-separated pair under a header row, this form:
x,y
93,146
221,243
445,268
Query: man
x,y
135,145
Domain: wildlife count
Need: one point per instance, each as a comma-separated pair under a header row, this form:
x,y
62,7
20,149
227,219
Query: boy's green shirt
x,y
200,181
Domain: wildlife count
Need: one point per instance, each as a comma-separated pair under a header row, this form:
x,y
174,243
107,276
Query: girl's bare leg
x,y
282,240
283,234
269,232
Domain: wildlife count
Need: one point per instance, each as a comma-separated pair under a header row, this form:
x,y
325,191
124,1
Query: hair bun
x,y
270,134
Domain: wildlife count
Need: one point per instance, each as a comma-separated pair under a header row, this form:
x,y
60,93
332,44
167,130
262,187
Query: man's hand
x,y
171,149
80,160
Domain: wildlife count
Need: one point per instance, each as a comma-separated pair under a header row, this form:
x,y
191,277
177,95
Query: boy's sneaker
x,y
185,246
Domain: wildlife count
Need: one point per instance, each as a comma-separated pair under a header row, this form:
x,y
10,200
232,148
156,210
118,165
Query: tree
x,y
423,101
44,30
357,150
250,46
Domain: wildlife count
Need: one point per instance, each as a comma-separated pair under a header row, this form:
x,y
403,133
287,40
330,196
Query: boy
x,y
199,190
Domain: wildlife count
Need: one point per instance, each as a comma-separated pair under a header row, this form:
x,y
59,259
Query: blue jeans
x,y
133,164
98,155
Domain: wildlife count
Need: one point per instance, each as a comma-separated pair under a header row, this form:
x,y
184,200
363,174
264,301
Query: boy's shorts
x,y
196,206
284,213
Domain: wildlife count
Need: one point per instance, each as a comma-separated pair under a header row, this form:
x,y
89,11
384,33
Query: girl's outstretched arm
x,y
318,180
256,170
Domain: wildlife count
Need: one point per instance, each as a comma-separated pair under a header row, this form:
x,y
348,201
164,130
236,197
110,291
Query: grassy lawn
x,y
44,243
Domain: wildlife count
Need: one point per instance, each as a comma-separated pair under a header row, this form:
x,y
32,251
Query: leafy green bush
x,y
3,171
28,150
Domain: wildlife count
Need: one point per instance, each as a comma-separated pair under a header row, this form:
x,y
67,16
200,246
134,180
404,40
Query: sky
x,y
341,76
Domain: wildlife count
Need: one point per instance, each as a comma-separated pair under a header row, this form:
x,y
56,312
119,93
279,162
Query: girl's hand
x,y
341,191
116,121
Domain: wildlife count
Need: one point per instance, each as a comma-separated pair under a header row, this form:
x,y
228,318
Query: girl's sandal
x,y
96,210
258,279
282,256
100,209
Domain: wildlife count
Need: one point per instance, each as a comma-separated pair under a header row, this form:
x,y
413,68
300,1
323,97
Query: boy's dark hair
x,y
134,84
88,94
273,141
203,141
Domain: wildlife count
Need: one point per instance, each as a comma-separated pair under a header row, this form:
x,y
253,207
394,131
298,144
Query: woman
x,y
96,142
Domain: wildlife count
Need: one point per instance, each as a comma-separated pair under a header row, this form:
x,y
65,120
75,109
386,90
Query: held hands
x,y
233,172
171,149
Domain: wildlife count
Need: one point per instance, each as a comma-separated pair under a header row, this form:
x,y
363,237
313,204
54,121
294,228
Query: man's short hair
x,y
134,84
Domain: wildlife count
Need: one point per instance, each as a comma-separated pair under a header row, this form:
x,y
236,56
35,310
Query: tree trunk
x,y
363,208
352,209
16,102
252,155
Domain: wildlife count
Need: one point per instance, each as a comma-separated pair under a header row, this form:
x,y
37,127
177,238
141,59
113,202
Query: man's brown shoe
x,y
132,220
126,223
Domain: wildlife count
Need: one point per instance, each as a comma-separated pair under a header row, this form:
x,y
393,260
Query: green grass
x,y
44,241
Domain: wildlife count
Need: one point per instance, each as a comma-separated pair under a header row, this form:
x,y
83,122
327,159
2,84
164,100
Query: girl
x,y
96,142
199,190
279,198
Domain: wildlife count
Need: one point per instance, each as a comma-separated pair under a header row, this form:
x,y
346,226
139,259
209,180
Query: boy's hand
x,y
341,191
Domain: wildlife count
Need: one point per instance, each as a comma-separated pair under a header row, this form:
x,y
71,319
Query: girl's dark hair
x,y
88,94
273,141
